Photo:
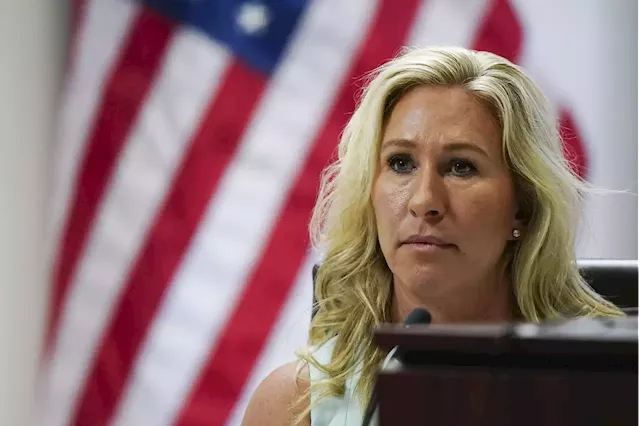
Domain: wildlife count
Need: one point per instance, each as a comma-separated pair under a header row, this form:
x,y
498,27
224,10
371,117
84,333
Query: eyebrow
x,y
453,146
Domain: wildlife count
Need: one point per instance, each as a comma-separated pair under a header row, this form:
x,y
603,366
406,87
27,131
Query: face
x,y
443,196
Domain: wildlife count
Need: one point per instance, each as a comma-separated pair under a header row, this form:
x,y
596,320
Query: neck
x,y
490,303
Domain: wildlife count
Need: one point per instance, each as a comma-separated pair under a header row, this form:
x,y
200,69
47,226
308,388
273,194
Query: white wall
x,y
32,40
585,53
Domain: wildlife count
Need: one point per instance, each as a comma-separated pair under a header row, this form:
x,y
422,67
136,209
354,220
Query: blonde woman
x,y
451,193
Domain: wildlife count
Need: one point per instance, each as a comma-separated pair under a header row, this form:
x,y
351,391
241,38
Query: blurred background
x,y
160,160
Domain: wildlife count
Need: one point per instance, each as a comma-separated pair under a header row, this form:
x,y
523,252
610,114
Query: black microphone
x,y
417,316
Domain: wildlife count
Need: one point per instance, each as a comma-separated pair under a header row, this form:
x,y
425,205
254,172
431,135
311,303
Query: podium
x,y
581,372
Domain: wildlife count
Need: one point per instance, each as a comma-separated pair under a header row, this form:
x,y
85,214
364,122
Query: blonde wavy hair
x,y
353,287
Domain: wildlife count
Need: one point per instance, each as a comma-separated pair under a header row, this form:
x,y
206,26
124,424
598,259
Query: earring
x,y
516,233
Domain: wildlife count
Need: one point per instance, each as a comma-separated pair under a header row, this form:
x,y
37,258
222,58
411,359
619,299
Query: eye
x,y
462,168
401,163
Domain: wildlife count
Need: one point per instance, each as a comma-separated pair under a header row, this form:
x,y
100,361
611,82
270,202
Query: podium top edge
x,y
581,336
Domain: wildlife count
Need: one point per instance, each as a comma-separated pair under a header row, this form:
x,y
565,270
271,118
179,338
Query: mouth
x,y
427,243
429,248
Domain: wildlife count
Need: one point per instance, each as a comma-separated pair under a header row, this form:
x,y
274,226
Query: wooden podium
x,y
583,372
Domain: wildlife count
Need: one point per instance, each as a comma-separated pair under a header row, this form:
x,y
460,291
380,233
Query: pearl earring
x,y
516,233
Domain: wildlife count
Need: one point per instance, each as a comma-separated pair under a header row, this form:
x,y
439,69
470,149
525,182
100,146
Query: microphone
x,y
417,316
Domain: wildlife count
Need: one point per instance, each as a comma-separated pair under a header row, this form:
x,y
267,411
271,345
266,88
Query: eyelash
x,y
394,159
472,169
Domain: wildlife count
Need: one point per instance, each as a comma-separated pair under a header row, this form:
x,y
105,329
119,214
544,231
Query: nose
x,y
428,196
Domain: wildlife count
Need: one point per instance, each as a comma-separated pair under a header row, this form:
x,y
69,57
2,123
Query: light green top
x,y
334,411
338,411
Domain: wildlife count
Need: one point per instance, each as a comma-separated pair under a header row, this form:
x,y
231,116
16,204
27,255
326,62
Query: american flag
x,y
191,138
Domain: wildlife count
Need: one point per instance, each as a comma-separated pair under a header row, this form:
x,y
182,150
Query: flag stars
x,y
253,18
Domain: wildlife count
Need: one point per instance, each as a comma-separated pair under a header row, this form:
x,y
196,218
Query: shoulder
x,y
273,402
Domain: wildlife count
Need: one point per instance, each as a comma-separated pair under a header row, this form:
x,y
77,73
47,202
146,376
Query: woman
x,y
451,192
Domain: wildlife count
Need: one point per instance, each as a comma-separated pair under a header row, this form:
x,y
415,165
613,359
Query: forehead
x,y
435,113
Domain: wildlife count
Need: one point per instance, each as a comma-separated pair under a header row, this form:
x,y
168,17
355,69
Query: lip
x,y
427,243
426,239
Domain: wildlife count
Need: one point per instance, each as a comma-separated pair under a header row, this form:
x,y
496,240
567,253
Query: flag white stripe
x,y
289,333
99,37
144,174
447,22
238,220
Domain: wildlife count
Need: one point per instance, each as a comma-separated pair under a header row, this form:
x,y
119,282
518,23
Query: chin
x,y
424,277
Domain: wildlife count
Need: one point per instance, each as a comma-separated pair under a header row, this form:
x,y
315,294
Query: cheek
x,y
486,213
389,204
396,200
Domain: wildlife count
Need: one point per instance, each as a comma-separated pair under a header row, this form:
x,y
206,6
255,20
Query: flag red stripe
x,y
500,31
233,358
78,12
126,90
574,148
78,8
207,158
